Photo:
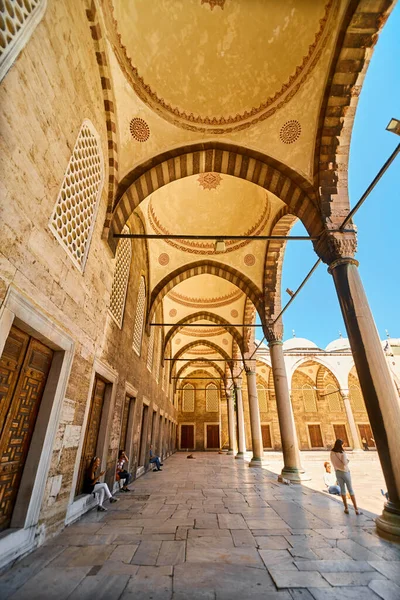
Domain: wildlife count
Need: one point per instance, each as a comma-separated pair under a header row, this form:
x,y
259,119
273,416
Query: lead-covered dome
x,y
337,345
296,343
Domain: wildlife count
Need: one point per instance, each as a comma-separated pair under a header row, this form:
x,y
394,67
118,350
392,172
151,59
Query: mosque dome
x,y
296,343
337,345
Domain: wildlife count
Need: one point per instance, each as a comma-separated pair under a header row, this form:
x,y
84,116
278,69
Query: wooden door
x,y
125,421
213,436
89,449
187,437
341,434
24,366
266,436
366,432
315,436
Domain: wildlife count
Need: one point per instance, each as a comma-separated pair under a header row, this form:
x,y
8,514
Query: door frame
x,y
271,433
347,432
309,438
359,433
194,434
18,310
205,435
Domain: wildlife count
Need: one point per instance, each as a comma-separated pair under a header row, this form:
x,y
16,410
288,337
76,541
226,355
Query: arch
x,y
198,360
206,343
249,316
274,255
319,360
206,267
207,316
329,390
292,188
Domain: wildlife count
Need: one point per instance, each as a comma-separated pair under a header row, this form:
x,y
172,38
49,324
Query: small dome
x,y
337,345
296,343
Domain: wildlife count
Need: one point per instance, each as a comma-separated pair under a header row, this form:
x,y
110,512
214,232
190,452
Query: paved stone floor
x,y
211,528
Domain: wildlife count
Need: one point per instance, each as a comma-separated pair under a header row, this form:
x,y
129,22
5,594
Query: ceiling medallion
x,y
209,181
139,129
172,312
290,131
213,3
234,313
225,342
249,260
163,259
178,341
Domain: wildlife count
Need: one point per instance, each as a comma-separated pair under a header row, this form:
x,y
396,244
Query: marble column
x,y
292,468
351,421
231,421
255,422
241,428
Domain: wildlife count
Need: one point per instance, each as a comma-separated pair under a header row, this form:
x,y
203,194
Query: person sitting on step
x,y
122,474
331,484
92,485
155,460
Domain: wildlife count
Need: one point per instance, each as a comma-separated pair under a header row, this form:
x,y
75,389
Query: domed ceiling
x,y
194,61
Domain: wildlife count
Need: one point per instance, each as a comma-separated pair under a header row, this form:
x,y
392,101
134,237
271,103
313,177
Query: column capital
x,y
274,332
342,261
332,246
250,366
238,383
345,394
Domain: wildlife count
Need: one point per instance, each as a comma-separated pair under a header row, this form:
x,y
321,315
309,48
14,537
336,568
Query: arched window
x,y
333,397
150,350
139,317
121,276
309,398
188,398
357,398
18,20
212,404
74,213
262,398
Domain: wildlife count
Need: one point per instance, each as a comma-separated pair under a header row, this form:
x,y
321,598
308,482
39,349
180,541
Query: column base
x,y
256,462
240,455
388,524
230,452
295,475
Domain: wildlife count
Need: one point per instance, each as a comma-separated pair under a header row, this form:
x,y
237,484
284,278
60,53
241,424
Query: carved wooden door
x,y
24,366
187,437
266,436
92,430
366,433
315,436
213,436
125,421
341,434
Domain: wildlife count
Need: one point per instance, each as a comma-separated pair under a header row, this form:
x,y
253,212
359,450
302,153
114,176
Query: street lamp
x,y
394,126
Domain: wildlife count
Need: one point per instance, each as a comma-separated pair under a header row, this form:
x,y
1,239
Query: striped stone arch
x,y
206,343
196,360
204,316
292,188
326,377
274,263
211,268
358,35
249,316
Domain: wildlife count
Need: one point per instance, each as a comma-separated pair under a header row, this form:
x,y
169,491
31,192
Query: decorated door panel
x,y
266,436
24,367
366,433
315,436
187,437
212,436
341,434
92,430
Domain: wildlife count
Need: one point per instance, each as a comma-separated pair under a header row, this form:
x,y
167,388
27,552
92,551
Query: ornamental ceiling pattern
x,y
216,302
195,66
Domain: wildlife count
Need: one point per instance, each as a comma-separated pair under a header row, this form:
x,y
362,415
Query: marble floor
x,y
212,528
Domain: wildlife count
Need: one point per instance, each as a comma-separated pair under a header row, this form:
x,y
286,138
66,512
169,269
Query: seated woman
x,y
330,480
122,474
155,460
92,485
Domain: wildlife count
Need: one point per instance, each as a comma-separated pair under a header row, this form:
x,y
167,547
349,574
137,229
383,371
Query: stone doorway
x,y
266,436
315,434
212,439
187,437
366,433
341,434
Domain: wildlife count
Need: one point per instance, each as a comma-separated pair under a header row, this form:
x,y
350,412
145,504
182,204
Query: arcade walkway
x,y
211,528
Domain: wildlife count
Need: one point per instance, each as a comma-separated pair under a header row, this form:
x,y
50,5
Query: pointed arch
x,y
206,343
198,360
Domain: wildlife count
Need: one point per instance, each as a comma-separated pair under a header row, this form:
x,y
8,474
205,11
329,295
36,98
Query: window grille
x,y
262,398
74,213
309,399
188,398
121,277
212,404
333,398
150,350
357,398
18,19
139,317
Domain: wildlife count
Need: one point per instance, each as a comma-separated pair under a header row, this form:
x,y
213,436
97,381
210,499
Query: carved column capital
x,y
250,366
274,332
333,246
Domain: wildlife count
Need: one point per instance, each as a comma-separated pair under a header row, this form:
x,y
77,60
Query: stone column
x,y
292,468
255,423
351,421
241,429
381,398
231,422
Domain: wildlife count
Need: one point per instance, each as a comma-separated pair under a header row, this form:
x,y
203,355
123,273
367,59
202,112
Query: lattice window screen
x,y
212,404
357,398
150,351
121,276
139,317
333,398
188,398
74,214
262,398
309,399
18,19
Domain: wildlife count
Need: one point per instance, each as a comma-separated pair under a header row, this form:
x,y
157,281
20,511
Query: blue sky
x,y
315,313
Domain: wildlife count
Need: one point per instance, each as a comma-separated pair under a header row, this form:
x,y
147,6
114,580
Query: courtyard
x,y
212,528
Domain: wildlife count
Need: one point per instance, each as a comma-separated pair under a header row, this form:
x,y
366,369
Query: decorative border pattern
x,y
208,302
